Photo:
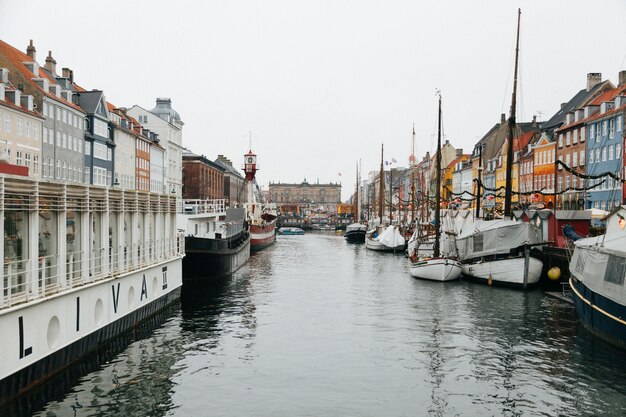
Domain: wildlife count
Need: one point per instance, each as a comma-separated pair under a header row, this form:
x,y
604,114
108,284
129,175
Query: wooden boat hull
x,y
436,269
508,272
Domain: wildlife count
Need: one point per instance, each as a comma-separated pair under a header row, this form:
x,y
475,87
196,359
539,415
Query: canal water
x,y
313,326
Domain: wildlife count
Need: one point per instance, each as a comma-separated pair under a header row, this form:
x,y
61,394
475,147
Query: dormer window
x,y
32,67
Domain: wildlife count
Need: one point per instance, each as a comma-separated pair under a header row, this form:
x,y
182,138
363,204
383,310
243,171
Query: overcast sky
x,y
321,84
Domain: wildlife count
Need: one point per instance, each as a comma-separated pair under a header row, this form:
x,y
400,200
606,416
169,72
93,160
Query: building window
x,y
575,136
567,138
610,152
582,133
560,140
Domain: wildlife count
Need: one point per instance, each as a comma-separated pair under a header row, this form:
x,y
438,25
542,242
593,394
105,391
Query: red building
x,y
202,178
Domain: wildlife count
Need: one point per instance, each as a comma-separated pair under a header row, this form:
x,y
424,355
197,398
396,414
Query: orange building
x,y
544,155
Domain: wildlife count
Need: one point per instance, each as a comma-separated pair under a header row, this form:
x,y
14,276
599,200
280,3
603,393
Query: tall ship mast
x,y
381,184
511,125
439,267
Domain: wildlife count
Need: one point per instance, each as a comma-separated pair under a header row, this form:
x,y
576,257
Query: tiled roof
x,y
522,141
575,102
8,103
606,114
17,58
457,160
89,100
608,95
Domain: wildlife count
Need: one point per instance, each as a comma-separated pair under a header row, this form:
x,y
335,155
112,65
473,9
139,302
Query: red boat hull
x,y
262,236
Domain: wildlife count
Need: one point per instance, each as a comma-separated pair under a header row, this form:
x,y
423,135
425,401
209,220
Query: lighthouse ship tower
x,y
261,217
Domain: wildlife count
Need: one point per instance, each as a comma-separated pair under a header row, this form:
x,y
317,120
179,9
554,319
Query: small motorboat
x,y
290,231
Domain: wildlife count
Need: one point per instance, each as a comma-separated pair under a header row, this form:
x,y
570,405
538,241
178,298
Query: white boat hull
x,y
436,269
374,244
505,271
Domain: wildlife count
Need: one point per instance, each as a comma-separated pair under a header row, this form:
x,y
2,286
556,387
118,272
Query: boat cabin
x,y
551,223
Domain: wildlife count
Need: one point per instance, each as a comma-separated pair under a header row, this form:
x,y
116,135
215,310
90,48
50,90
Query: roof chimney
x,y
69,74
534,121
502,118
622,77
593,79
31,51
51,64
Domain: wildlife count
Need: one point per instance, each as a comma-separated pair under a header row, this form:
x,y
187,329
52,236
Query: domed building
x,y
165,111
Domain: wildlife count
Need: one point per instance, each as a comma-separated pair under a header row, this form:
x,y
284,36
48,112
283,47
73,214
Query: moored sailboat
x,y
499,251
437,268
381,238
355,232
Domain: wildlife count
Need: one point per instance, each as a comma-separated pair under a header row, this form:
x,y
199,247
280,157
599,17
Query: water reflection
x,y
313,326
114,380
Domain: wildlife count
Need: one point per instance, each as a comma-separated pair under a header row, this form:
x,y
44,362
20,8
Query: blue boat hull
x,y
601,316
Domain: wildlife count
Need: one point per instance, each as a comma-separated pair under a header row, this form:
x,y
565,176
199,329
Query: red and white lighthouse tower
x,y
250,169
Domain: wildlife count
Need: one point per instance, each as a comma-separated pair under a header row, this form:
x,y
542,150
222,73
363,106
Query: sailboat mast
x,y
412,170
509,151
480,170
390,195
355,206
381,190
438,183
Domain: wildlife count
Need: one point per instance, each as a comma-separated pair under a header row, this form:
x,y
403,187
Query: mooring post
x,y
526,262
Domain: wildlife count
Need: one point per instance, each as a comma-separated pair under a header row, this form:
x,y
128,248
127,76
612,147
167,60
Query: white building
x,y
166,122
20,128
124,151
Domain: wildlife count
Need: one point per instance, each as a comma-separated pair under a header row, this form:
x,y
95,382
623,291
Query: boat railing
x,y
22,283
198,206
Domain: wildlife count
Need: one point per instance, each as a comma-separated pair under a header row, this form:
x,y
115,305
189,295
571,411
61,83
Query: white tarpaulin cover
x,y
391,237
495,237
600,263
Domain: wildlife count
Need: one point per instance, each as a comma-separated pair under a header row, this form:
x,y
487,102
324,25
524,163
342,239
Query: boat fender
x,y
554,273
490,280
413,257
